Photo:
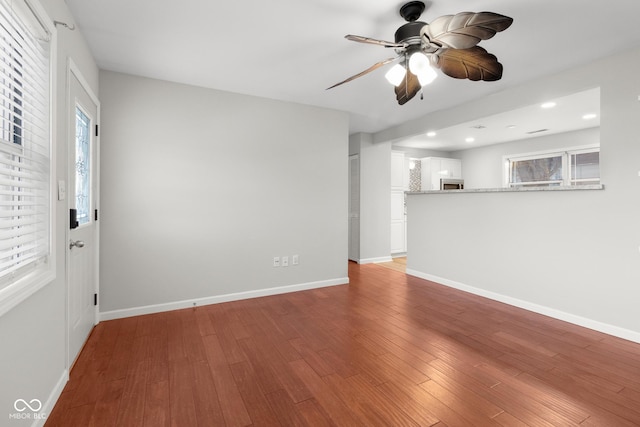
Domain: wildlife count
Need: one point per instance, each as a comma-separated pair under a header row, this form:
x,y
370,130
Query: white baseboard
x,y
177,305
375,260
47,407
540,309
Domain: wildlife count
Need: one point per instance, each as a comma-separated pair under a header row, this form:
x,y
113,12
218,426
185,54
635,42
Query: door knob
x,y
77,244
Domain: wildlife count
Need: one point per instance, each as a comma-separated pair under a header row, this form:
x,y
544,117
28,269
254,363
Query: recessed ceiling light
x,y
537,131
548,104
511,127
589,116
470,139
431,134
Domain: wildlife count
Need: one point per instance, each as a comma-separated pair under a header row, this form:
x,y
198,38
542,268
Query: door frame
x,y
73,69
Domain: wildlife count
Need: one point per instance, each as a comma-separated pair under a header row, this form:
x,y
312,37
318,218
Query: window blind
x,y
24,142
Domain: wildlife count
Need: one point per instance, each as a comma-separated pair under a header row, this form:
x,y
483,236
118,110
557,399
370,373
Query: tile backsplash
x,y
415,176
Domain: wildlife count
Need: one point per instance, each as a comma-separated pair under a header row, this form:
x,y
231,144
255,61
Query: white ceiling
x,y
292,50
573,112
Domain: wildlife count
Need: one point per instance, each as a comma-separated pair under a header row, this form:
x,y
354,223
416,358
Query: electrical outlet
x,y
295,260
276,261
285,261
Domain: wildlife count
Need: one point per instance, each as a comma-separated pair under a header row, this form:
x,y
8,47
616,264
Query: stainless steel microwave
x,y
451,184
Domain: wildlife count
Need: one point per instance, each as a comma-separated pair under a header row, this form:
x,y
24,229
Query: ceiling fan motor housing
x,y
410,32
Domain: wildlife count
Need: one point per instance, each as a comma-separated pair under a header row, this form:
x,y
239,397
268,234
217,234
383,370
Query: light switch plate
x,y
62,190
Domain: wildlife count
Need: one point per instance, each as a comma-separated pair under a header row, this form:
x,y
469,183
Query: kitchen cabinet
x,y
399,184
435,168
399,171
398,228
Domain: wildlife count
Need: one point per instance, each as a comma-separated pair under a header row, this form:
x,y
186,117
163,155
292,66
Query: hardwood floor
x,y
398,264
386,350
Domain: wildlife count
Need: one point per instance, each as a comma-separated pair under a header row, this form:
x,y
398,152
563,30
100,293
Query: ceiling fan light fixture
x,y
395,74
418,61
420,66
426,76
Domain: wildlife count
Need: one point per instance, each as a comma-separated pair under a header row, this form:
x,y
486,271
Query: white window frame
x,y
18,286
565,153
576,182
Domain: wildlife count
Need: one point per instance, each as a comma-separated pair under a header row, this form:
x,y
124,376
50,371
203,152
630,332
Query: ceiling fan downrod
x,y
411,11
410,32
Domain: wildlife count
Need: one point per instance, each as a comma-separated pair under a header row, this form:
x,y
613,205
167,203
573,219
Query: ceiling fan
x,y
449,43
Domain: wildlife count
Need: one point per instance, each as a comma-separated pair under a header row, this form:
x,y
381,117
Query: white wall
x,y
375,197
33,353
483,167
573,255
202,188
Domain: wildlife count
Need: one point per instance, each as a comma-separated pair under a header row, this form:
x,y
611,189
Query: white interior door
x,y
354,208
82,198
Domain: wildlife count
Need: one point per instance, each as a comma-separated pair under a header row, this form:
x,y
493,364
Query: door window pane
x,y
83,165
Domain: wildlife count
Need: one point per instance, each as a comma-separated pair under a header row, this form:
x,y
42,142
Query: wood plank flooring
x,y
385,350
398,264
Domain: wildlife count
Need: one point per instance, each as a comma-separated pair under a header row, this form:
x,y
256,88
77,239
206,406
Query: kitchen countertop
x,y
512,190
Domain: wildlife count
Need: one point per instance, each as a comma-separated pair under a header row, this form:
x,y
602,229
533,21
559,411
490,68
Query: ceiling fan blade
x,y
408,88
465,29
369,40
362,73
473,64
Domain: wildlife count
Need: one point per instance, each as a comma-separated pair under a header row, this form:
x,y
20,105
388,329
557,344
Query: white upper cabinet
x,y
399,183
435,168
451,168
406,174
397,170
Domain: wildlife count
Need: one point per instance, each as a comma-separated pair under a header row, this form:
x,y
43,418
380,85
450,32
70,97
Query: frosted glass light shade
x,y
418,61
426,76
419,65
396,74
